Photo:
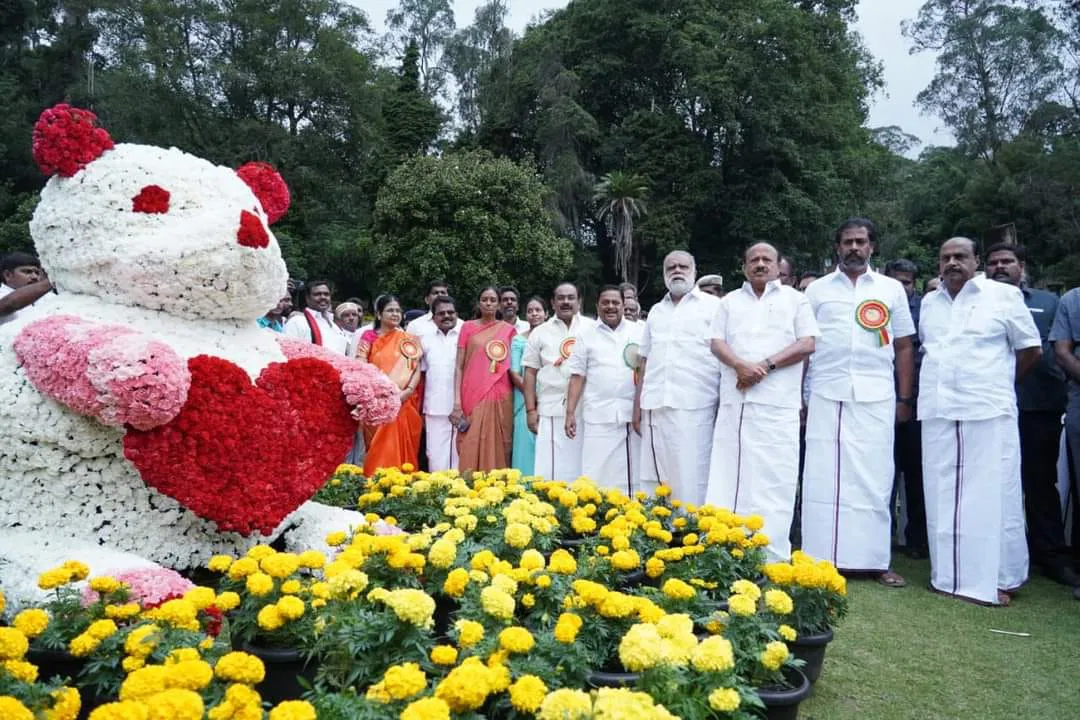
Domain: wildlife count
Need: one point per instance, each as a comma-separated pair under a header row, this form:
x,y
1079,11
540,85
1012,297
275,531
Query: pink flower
x,y
147,586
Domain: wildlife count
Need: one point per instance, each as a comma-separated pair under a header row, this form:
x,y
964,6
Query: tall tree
x,y
428,24
473,54
412,118
620,197
997,61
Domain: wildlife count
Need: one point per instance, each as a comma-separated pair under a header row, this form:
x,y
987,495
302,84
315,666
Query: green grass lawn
x,y
911,654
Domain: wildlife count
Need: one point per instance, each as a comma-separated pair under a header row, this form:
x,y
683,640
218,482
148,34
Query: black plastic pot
x,y
604,678
811,650
572,543
782,703
631,579
284,667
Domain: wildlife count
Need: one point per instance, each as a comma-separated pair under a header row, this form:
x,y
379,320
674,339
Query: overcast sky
x,y
879,24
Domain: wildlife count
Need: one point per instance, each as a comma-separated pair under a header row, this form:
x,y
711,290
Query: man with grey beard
x,y
675,402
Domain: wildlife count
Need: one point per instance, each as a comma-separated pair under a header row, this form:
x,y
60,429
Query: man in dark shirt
x,y
1065,334
1040,398
907,447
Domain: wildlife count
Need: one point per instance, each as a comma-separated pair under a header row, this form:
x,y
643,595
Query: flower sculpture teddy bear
x,y
147,419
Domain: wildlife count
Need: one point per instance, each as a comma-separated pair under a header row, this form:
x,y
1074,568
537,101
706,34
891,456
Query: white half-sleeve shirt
x,y
681,373
545,354
969,350
601,356
758,327
438,365
850,362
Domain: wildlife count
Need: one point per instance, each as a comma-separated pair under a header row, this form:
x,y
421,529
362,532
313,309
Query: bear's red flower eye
x,y
151,199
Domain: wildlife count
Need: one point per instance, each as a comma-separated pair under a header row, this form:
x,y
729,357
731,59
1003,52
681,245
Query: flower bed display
x,y
454,598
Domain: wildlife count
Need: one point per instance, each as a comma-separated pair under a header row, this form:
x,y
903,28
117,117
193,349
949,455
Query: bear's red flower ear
x,y
67,139
268,186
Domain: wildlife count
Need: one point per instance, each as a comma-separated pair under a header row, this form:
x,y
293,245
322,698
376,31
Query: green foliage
x,y
469,217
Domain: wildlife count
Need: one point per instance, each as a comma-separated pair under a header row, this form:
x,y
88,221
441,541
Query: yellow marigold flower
x,y
527,693
625,560
280,565
66,704
654,567
774,655
603,550
516,640
242,568
140,642
219,563
82,645
179,613
639,648
671,626
759,540
662,491
291,587
54,578
466,687
122,612
290,607
737,554
269,618
497,603
620,542
517,535
743,605
336,538
442,553
189,674
505,583
562,563
713,654
21,670
565,704
788,633
179,655
678,590
543,581
456,582
528,600
470,632
77,569
175,704
144,682
403,681
259,552
567,627
311,559
754,523
227,601
259,584
724,700
201,597
444,655
240,703
31,622
745,587
412,606
101,629
779,602
240,667
12,709
104,584
532,560
132,663
429,708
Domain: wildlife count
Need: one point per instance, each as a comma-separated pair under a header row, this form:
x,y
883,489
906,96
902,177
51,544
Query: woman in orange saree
x,y
483,397
397,354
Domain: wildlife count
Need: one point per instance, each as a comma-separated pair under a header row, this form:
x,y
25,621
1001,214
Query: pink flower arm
x,y
374,396
109,372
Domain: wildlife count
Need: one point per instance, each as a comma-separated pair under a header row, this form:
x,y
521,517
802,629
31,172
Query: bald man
x,y
978,338
675,402
762,334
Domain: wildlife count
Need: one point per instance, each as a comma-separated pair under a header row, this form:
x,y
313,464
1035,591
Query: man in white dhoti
x,y
762,333
864,357
547,376
978,338
440,356
603,375
675,405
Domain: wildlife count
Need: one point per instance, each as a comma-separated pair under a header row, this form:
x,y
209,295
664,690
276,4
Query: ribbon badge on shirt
x,y
496,352
566,349
631,355
873,315
410,351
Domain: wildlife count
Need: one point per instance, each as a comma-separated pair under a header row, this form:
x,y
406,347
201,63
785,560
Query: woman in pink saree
x,y
483,395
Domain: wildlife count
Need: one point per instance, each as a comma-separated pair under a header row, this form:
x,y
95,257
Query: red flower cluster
x,y
152,199
245,456
66,140
268,186
251,233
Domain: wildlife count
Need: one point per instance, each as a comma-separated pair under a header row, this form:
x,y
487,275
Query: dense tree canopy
x,y
481,156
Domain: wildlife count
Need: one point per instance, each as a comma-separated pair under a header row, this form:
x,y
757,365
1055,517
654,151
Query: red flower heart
x,y
246,455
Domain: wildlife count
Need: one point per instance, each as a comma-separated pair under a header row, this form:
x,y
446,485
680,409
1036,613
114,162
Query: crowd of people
x,y
811,400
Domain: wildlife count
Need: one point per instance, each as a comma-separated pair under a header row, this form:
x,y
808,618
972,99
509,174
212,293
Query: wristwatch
x,y
770,364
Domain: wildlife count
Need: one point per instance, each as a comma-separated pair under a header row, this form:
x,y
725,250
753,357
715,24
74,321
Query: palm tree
x,y
620,197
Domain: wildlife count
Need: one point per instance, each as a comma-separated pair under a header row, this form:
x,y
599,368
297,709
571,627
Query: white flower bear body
x,y
147,416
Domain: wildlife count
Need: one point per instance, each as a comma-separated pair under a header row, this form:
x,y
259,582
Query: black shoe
x,y
1064,575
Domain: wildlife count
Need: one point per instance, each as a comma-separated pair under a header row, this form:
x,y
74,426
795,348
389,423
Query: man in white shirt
x,y
426,323
508,305
632,311
865,354
316,322
978,339
24,283
440,359
547,376
603,375
675,404
762,333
